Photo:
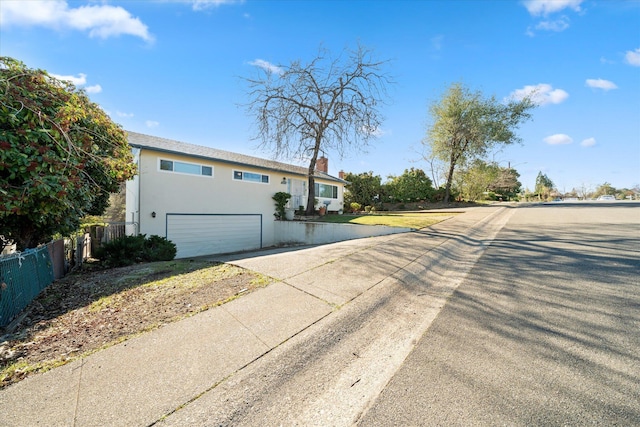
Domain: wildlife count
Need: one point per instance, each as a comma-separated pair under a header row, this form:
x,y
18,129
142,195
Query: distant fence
x,y
22,276
113,230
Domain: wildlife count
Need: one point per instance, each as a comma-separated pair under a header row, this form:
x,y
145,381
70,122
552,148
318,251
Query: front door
x,y
298,190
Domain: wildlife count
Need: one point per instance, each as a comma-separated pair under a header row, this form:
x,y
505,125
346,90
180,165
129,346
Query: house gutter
x,y
325,176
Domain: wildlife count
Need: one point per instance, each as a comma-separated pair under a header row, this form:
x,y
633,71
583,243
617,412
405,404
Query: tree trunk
x,y
447,188
311,194
311,198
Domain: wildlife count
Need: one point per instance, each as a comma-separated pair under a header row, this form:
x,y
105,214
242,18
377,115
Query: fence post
x,y
80,249
57,254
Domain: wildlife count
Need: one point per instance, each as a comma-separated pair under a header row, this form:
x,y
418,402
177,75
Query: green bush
x,y
355,207
281,198
159,249
129,250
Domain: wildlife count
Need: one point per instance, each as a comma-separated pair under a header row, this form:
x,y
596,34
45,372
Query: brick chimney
x,y
322,165
341,174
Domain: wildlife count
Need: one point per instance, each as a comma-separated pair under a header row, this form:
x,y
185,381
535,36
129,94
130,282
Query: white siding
x,y
205,234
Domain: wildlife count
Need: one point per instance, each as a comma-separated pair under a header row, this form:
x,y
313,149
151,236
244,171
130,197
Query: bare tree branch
x,y
326,105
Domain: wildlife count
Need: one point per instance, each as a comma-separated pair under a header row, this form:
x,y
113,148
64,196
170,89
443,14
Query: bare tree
x,y
328,104
584,190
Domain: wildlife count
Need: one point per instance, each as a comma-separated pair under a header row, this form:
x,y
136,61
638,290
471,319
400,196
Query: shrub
x,y
128,250
281,198
158,248
367,209
355,207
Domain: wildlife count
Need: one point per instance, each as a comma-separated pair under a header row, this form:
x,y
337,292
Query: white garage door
x,y
204,234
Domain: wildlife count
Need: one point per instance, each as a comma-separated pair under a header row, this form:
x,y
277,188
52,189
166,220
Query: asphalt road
x,y
524,315
328,374
544,331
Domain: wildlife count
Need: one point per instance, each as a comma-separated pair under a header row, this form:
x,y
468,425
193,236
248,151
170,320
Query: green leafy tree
x,y
544,186
60,155
328,104
413,184
604,190
363,188
467,126
474,180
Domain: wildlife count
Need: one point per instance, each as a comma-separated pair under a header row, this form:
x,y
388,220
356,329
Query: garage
x,y
207,234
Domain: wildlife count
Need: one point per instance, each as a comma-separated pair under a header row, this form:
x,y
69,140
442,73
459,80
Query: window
x,y
187,168
326,191
250,177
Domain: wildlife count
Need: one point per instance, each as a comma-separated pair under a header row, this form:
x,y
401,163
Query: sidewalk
x,y
138,382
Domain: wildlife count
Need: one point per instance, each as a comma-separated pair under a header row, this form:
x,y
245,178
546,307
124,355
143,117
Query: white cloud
x,y
558,139
601,84
633,57
558,25
80,80
207,4
376,132
100,20
437,42
546,7
121,114
152,124
540,94
267,66
93,89
199,5
589,142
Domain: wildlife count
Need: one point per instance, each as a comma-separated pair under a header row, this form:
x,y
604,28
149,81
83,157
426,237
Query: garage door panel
x,y
206,234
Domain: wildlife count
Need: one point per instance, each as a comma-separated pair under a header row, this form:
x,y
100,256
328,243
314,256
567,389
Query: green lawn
x,y
411,220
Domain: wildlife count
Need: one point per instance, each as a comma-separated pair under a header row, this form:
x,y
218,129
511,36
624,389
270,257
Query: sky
x,y
176,69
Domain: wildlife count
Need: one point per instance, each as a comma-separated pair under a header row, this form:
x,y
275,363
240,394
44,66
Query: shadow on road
x,y
566,316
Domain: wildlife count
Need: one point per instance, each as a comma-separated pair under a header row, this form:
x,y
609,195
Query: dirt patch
x,y
91,310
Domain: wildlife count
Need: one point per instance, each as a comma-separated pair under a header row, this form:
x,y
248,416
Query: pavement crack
x,y
75,411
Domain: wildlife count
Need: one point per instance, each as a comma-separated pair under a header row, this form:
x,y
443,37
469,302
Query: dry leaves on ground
x,y
87,311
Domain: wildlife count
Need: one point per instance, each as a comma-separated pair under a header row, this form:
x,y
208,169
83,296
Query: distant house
x,y
209,201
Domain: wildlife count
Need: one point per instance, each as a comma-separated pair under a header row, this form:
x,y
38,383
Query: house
x,y
209,201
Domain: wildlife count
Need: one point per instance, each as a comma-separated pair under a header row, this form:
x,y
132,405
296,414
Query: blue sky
x,y
173,69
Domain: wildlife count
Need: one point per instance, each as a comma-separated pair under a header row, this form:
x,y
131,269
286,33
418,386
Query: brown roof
x,y
155,143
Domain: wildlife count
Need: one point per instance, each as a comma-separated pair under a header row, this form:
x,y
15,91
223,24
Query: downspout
x,y
136,153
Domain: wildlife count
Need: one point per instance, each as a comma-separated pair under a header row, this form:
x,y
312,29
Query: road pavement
x,y
544,331
503,315
386,292
313,348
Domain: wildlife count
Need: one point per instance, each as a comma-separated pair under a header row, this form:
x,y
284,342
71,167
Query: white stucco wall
x,y
316,233
164,192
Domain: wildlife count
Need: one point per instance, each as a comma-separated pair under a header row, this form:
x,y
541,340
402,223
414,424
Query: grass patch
x,y
409,220
170,278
